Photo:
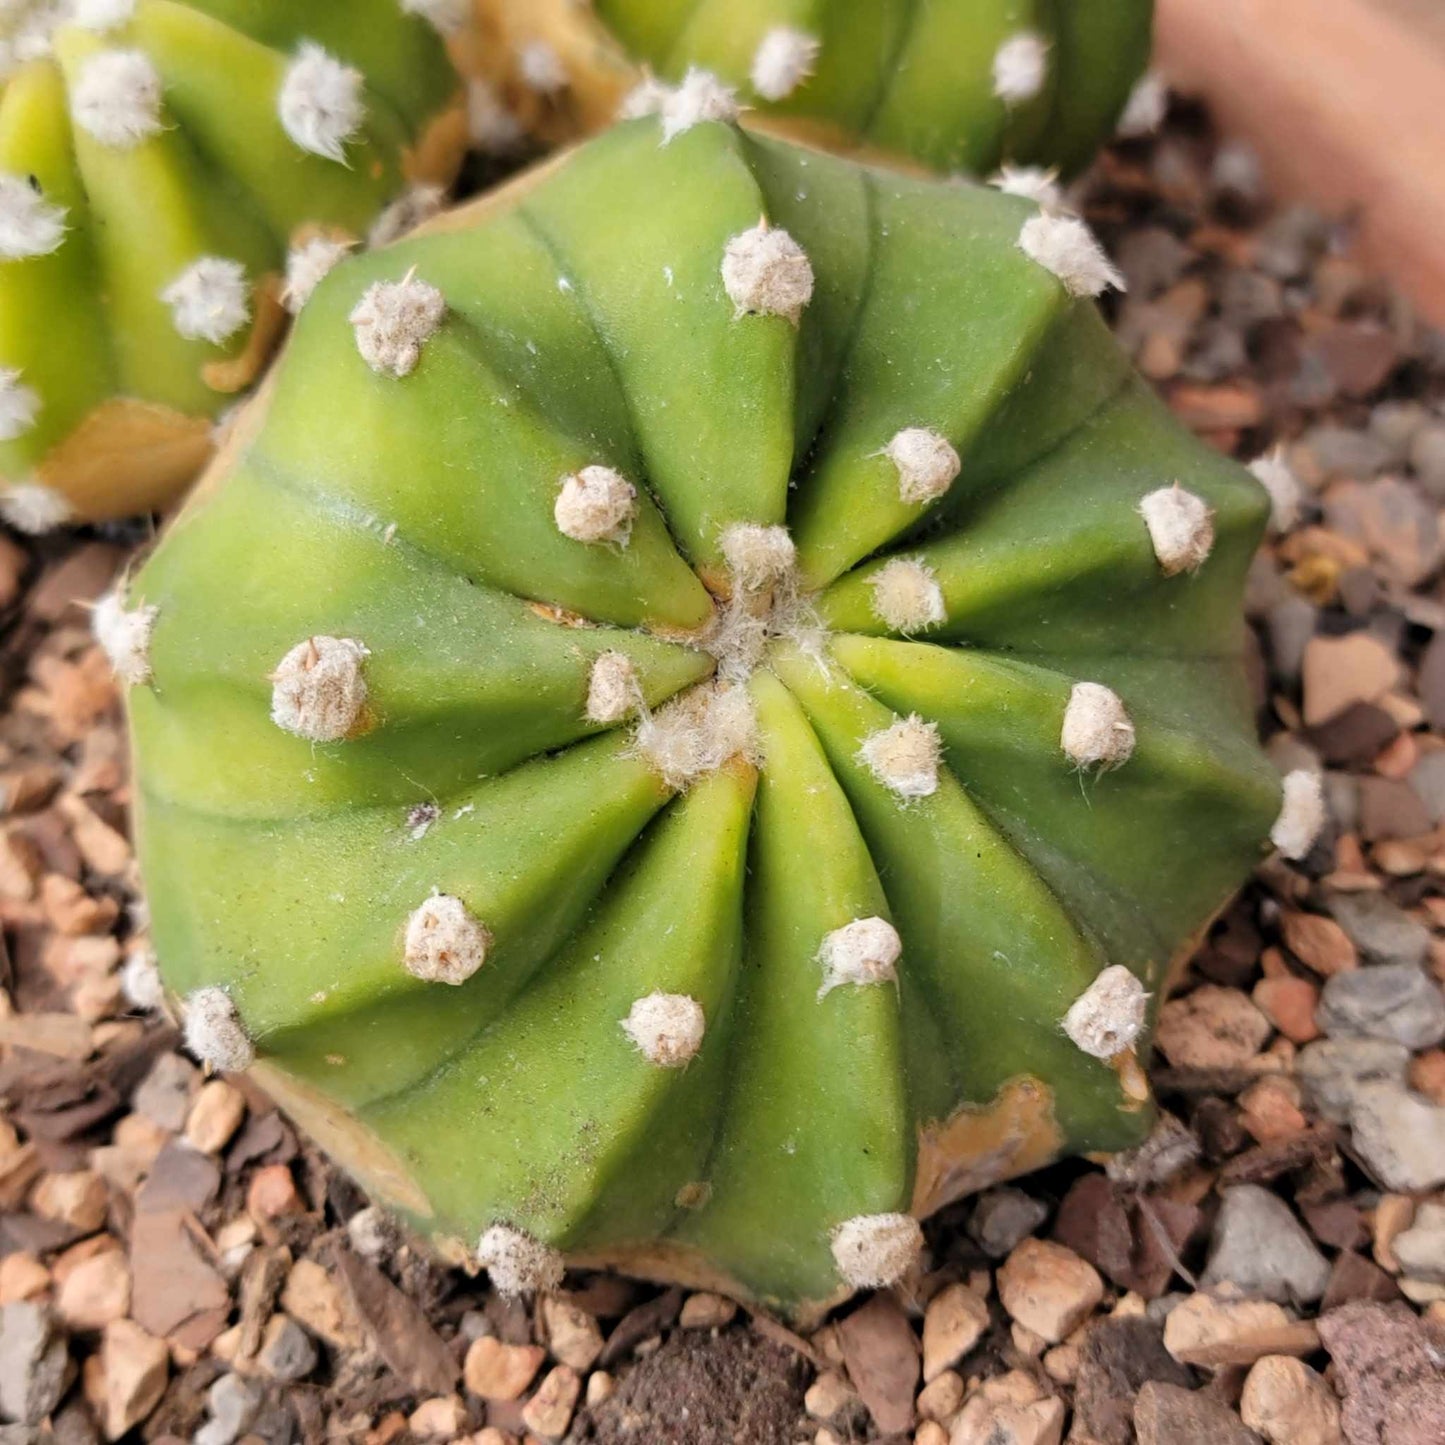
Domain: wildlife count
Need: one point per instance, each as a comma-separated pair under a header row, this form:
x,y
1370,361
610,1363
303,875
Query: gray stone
x,y
1152,259
1396,1001
234,1403
165,1094
1170,1415
1427,778
1421,1248
1397,423
1381,929
34,1363
1260,1248
1003,1218
288,1353
1291,625
1332,1072
1400,1137
1344,452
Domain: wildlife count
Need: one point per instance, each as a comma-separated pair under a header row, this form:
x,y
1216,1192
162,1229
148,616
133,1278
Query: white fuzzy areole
x,y
406,213
863,952
1286,494
701,97
1020,67
1065,246
318,690
140,980
907,597
446,16
19,405
1302,814
767,273
648,97
541,69
1109,1015
29,224
125,637
873,1251
102,15
758,557
34,508
321,104
215,1034
595,506
1097,732
210,300
1032,183
667,1029
393,321
905,757
694,735
1146,107
783,61
444,942
494,130
927,464
612,689
517,1263
1181,529
307,267
116,98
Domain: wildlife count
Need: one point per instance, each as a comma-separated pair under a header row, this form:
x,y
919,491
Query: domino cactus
x,y
958,85
687,742
168,169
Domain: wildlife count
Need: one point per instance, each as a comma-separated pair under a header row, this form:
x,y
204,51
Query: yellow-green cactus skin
x,y
688,743
952,85
163,164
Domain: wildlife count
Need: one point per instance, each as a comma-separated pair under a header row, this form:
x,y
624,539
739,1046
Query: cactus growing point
x,y
719,754
173,175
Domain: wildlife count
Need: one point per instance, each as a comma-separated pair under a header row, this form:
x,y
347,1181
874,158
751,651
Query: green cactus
x,y
689,743
958,85
167,168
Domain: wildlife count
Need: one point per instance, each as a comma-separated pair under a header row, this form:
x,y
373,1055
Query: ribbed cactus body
x,y
957,85
660,782
162,164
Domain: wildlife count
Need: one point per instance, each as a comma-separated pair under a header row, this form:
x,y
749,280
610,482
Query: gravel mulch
x,y
176,1264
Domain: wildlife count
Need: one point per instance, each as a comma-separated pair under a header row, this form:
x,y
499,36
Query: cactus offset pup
x,y
687,742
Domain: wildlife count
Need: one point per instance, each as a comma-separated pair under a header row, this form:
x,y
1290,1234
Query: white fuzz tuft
x,y
29,224
648,97
697,733
1033,183
667,1028
321,104
1302,816
210,300
494,130
406,213
1286,495
19,405
448,16
1109,1015
862,952
1097,730
318,691
907,597
393,321
701,97
541,69
596,505
758,557
102,15
444,942
784,60
874,1251
214,1032
905,757
34,508
125,637
1181,527
1146,108
1068,248
140,980
517,1263
927,465
1020,67
307,266
612,689
117,98
767,273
